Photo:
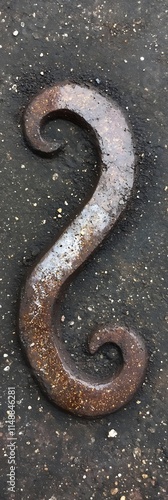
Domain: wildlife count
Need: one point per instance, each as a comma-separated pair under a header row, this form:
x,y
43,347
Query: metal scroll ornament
x,y
39,317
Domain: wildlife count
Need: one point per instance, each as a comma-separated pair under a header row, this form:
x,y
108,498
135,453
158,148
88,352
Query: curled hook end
x,y
133,350
104,335
40,145
47,148
33,124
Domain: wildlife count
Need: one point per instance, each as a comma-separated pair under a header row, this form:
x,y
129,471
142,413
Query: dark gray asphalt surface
x,y
119,48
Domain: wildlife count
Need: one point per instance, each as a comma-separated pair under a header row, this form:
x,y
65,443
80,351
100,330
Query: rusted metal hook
x,y
39,318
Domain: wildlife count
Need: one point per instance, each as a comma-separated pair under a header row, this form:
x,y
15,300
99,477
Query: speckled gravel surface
x,y
120,49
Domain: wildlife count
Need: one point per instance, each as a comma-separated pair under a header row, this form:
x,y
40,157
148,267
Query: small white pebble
x,y
142,58
112,433
29,407
15,33
114,491
14,87
7,368
55,176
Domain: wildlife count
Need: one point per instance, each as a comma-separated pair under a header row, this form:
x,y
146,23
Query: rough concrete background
x,y
119,48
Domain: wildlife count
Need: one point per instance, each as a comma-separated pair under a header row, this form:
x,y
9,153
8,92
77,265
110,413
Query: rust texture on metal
x,y
39,317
